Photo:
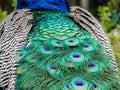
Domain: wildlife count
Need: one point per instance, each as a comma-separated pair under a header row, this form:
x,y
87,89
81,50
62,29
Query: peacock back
x,y
62,55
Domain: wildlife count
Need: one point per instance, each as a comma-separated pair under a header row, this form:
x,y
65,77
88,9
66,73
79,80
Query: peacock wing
x,y
86,20
13,33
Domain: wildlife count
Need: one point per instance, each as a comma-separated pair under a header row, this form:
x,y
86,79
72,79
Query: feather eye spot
x,y
21,69
94,85
53,67
87,47
56,43
54,70
71,42
79,83
76,55
93,67
21,54
91,64
67,85
46,50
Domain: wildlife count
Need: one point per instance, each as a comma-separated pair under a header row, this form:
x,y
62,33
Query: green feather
x,y
60,55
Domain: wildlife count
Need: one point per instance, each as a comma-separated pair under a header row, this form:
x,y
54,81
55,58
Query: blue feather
x,y
60,5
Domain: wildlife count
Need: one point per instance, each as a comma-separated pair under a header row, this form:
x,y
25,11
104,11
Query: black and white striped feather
x,y
13,33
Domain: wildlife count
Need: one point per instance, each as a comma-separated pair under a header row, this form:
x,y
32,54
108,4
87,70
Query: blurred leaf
x,y
115,41
107,15
3,14
14,3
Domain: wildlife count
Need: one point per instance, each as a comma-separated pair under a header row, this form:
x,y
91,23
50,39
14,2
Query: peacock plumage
x,y
45,45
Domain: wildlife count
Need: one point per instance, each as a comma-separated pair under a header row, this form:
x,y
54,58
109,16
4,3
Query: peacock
x,y
49,45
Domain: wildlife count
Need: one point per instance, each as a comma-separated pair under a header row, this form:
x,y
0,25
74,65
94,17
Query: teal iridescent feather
x,y
60,55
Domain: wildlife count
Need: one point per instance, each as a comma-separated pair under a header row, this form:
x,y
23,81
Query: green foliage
x,y
105,17
3,14
108,15
4,10
14,3
115,41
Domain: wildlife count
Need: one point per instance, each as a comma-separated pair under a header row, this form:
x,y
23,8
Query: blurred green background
x,y
107,13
